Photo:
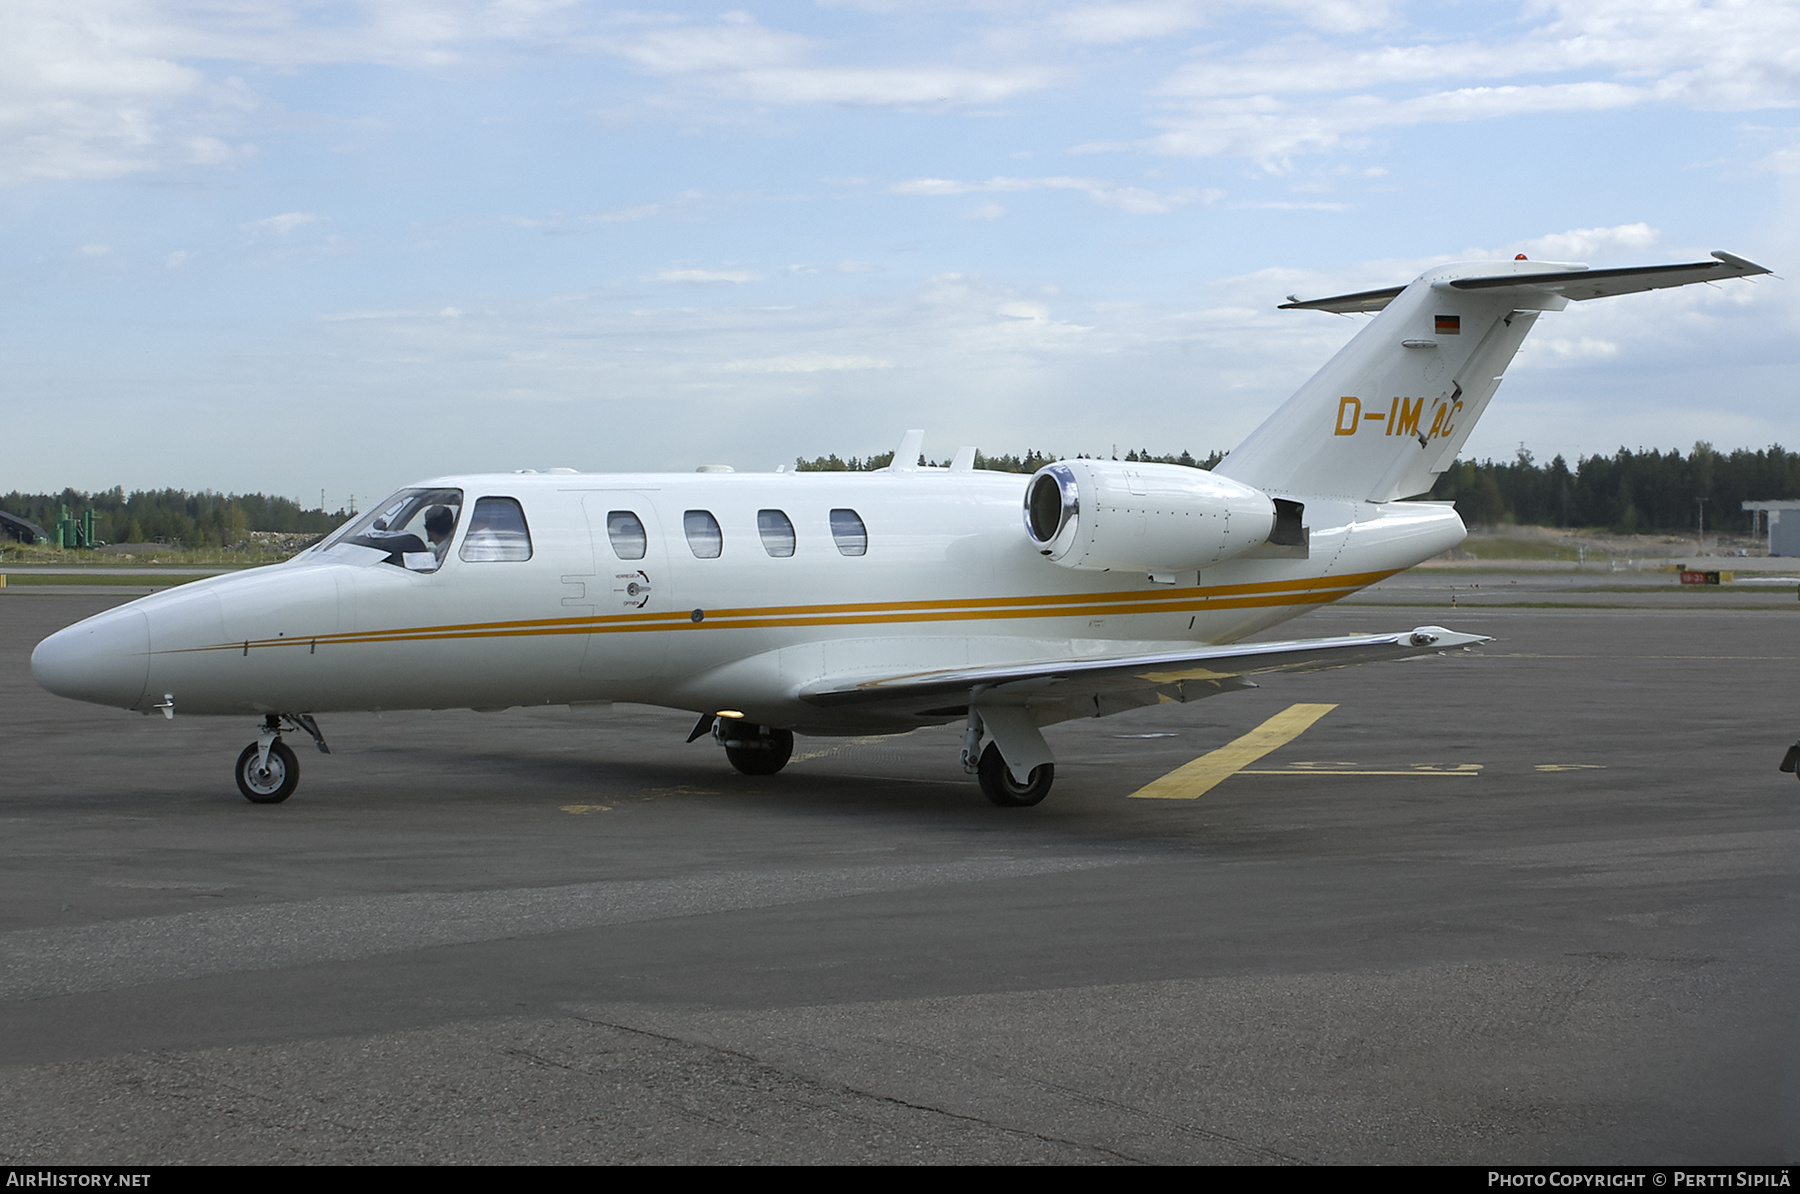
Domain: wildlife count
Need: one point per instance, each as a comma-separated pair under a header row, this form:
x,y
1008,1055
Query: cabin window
x,y
411,530
497,531
703,534
848,531
777,533
626,530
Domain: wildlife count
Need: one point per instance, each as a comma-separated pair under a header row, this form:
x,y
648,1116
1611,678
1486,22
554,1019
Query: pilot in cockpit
x,y
440,523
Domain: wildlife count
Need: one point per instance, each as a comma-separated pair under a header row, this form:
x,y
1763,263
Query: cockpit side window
x,y
626,530
703,534
497,531
413,529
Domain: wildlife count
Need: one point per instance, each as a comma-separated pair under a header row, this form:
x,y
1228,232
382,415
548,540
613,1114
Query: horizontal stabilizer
x,y
1363,301
1574,282
1208,669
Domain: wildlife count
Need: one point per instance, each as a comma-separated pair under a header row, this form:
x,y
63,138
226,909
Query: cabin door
x,y
631,566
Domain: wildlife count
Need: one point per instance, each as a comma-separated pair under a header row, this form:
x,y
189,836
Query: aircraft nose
x,y
104,659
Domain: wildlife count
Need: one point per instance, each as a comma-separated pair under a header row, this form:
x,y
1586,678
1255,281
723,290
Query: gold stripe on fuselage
x,y
1307,591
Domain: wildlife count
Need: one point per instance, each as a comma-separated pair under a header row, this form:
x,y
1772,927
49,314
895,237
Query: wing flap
x,y
1210,669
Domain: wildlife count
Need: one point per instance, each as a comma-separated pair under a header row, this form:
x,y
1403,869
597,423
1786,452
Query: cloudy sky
x,y
290,246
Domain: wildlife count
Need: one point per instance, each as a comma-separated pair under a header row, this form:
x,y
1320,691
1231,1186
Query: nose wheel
x,y
270,780
267,772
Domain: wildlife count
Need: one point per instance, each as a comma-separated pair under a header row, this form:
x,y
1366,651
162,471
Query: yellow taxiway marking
x,y
1199,777
1353,769
1569,767
578,809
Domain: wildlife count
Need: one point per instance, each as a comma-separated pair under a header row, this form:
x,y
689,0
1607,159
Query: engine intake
x,y
1106,515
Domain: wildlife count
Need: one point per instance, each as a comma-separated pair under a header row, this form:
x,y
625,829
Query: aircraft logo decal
x,y
1401,417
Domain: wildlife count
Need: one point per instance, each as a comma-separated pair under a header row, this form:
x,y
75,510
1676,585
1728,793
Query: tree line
x,y
173,516
1645,491
1030,461
1629,492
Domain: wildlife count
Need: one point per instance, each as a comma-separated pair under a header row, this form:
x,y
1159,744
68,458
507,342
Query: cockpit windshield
x,y
412,530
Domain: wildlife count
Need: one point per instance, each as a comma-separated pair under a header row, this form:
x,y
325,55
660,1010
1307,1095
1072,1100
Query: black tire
x,y
998,785
764,754
271,786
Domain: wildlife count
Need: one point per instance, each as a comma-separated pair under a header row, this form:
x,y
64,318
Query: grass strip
x,y
135,580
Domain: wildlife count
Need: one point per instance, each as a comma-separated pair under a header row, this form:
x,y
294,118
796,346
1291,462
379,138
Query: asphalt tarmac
x,y
1533,903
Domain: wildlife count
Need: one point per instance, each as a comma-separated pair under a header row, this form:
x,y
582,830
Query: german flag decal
x,y
1449,325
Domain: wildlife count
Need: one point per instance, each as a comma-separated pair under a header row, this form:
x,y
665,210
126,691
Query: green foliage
x,y
1631,492
174,516
831,464
1030,462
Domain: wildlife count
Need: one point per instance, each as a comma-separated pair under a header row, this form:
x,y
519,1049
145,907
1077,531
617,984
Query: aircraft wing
x,y
1577,284
1096,686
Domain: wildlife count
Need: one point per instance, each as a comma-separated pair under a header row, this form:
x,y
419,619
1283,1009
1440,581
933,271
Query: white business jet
x,y
865,603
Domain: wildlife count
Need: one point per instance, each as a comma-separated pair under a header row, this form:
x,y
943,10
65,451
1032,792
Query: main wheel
x,y
998,785
764,754
273,784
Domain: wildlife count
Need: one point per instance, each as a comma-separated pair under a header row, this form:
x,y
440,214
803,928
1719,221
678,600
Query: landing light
x,y
728,713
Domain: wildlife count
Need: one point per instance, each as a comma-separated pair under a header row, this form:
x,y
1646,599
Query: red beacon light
x,y
1520,257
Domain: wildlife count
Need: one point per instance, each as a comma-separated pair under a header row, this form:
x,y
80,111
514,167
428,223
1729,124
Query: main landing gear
x,y
996,778
763,750
752,749
267,771
999,786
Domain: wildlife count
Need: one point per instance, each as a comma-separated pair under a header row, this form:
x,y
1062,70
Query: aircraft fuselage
x,y
947,577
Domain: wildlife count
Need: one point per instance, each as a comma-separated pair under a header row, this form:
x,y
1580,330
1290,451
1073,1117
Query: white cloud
x,y
805,362
1274,101
1557,350
282,224
1106,24
94,250
743,57
737,43
109,87
177,258
1135,200
1587,244
951,186
987,211
1270,131
357,316
703,276
893,87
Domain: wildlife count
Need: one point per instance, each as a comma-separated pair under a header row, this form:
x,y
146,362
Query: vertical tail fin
x,y
1392,409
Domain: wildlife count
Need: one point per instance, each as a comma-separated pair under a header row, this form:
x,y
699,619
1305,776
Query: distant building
x,y
1784,536
14,527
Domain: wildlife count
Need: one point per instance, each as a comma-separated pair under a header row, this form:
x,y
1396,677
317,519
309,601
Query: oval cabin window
x,y
703,534
626,530
777,533
848,532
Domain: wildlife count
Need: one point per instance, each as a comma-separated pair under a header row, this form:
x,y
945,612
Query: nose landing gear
x,y
267,779
267,771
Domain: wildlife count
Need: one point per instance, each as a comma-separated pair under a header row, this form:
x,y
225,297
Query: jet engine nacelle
x,y
1108,515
